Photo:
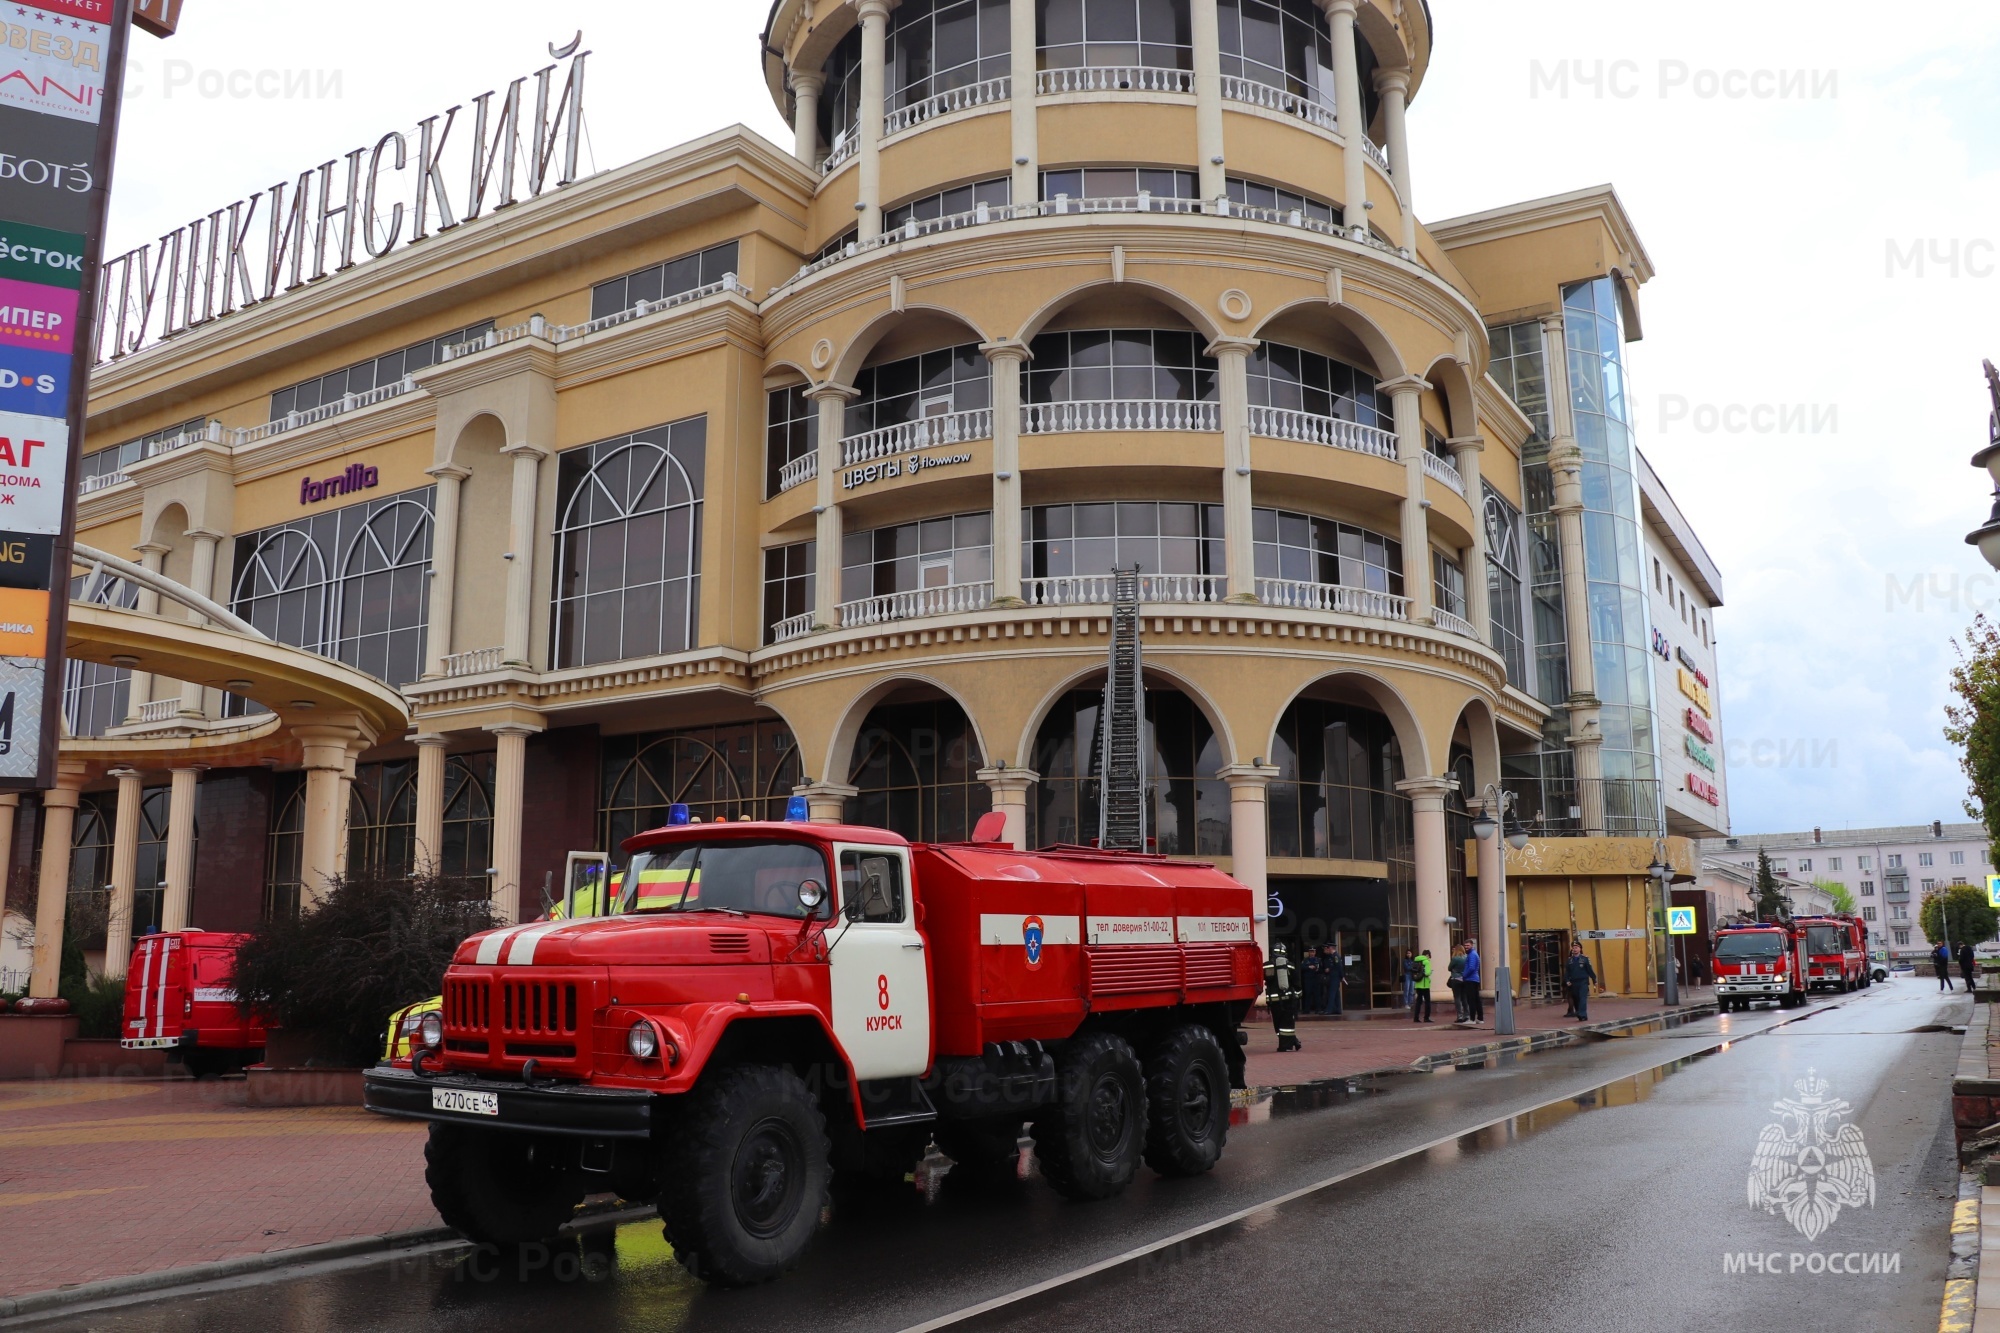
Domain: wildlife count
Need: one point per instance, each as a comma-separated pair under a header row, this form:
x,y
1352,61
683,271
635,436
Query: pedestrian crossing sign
x,y
1993,890
1680,920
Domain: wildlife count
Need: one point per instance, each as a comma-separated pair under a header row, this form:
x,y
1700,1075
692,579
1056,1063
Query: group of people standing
x,y
1463,978
1968,963
1324,972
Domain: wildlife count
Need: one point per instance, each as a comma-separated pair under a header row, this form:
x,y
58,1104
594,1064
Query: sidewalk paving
x,y
103,1178
1335,1048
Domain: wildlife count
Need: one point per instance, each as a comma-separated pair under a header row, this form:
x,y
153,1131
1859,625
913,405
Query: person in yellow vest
x,y
1420,1007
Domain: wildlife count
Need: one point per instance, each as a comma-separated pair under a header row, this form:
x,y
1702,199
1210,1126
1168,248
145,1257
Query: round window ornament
x,y
1234,304
822,353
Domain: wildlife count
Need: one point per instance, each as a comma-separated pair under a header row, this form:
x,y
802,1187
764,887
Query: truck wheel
x,y
744,1176
1187,1103
499,1187
1089,1142
982,1152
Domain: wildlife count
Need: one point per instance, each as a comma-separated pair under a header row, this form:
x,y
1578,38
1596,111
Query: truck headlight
x,y
643,1041
431,1030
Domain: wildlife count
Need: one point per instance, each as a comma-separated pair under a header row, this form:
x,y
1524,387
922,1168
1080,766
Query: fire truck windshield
x,y
1825,939
760,877
1763,944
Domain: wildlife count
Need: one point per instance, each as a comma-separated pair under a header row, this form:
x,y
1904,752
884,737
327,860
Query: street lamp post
x,y
1492,819
1662,875
1987,536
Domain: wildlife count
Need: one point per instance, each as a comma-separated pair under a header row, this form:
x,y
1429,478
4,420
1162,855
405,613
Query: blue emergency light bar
x,y
677,813
796,811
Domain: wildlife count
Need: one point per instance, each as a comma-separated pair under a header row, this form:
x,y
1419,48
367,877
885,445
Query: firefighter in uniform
x,y
1281,992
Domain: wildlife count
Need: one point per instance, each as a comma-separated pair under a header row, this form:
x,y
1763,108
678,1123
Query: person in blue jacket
x,y
1578,977
1475,1007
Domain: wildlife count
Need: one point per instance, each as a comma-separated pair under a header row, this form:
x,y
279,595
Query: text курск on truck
x,y
739,1031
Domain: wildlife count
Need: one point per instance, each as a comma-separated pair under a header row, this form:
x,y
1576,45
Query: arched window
x,y
467,848
281,588
1189,813
385,593
1333,798
743,770
628,545
382,819
283,873
150,879
90,868
917,766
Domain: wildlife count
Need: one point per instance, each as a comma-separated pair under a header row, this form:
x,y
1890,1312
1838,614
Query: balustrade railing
x,y
1443,470
381,393
1114,79
1375,151
1119,414
923,433
842,151
1277,99
1095,589
1459,625
1303,596
792,627
159,710
1283,423
915,603
474,660
798,472
971,95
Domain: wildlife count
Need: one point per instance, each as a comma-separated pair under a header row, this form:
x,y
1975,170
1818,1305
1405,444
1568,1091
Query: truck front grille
x,y
535,1008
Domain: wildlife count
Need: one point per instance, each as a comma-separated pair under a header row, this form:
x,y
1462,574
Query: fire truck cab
x,y
1836,951
1765,961
771,1002
180,994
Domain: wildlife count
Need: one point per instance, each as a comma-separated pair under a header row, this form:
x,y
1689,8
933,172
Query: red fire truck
x,y
180,995
1836,951
777,1001
1765,961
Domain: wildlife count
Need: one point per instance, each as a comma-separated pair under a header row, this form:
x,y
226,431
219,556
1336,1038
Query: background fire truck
x,y
180,994
795,999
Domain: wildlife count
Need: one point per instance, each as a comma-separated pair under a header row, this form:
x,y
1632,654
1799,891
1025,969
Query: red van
x,y
180,995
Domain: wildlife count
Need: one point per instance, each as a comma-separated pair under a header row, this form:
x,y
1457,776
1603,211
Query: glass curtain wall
x,y
1335,793
1504,585
935,46
1285,45
1613,554
1151,34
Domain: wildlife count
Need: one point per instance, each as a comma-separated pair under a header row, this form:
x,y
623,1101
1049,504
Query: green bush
x,y
98,1002
373,944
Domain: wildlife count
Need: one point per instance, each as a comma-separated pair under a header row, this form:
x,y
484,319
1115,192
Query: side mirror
x,y
811,894
852,908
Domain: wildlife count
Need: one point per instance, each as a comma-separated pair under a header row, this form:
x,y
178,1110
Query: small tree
x,y
1958,913
1770,899
1973,723
372,945
1842,896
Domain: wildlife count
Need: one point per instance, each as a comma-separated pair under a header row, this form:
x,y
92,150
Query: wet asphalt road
x,y
1599,1186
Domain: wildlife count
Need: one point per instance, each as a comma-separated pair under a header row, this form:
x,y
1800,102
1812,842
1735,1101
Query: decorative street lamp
x,y
1484,827
1987,536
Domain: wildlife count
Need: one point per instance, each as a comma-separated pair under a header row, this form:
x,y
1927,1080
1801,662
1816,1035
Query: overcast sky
x,y
1780,224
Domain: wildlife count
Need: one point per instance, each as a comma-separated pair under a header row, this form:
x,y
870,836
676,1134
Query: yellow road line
x,y
1955,1314
53,1196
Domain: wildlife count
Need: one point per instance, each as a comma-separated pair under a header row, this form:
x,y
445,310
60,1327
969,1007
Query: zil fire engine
x,y
770,1002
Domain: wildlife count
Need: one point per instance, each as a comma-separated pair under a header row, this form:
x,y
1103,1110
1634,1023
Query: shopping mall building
x,y
741,471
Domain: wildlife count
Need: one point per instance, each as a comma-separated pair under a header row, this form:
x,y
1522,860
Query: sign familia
x,y
299,231
357,477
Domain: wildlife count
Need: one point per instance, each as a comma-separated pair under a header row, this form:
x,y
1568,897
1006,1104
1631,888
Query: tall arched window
x,y
742,770
468,816
281,588
628,545
917,766
1189,813
382,819
384,593
283,872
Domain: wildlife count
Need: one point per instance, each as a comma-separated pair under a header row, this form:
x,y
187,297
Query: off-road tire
x,y
982,1152
1090,1141
745,1175
500,1187
1187,1102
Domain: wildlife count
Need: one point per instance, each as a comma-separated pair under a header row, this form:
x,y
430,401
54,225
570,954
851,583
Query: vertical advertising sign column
x,y
61,69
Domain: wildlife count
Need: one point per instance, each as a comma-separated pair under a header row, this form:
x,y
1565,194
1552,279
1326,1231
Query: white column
x,y
1406,393
183,800
1566,471
1250,839
323,841
1394,85
1026,139
521,549
1010,798
1006,360
510,772
874,41
1465,452
430,800
202,580
444,565
805,117
124,870
826,802
1233,382
1427,827
832,400
52,889
1491,927
1347,98
1204,31
151,555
